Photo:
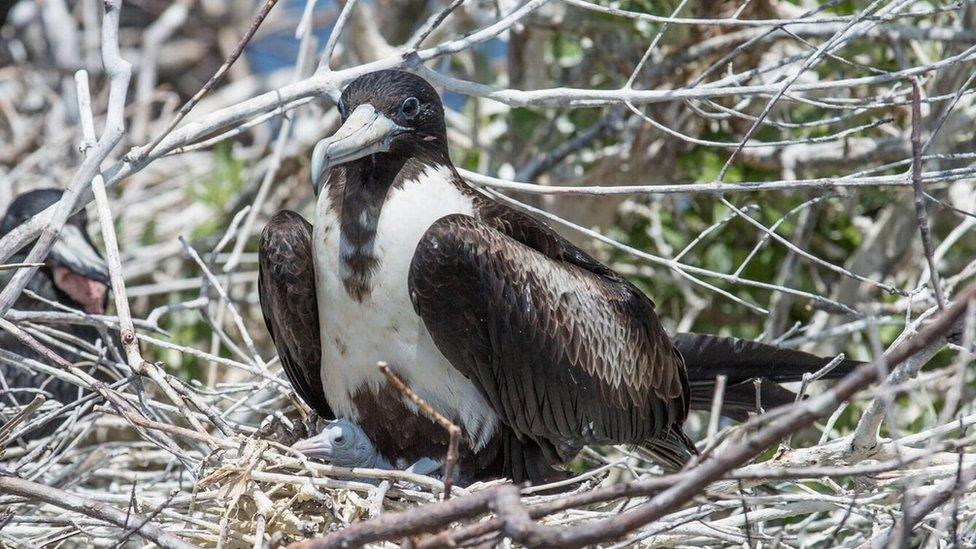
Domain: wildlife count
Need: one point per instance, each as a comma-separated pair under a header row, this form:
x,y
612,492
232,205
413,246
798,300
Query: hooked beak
x,y
315,447
365,132
78,269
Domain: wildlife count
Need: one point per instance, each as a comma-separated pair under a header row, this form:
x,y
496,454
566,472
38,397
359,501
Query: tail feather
x,y
740,398
671,451
741,361
707,356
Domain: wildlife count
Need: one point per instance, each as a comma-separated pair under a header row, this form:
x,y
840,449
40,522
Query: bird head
x,y
386,114
75,266
341,443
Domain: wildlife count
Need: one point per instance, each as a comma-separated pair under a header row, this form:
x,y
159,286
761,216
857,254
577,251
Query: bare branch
x,y
188,106
89,507
450,461
920,212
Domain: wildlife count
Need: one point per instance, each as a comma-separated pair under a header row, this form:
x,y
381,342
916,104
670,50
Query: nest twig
x,y
454,432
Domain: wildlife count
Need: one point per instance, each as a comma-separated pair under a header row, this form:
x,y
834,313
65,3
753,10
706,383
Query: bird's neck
x,y
359,197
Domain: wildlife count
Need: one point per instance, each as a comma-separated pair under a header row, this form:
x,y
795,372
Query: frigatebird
x,y
523,340
74,275
343,443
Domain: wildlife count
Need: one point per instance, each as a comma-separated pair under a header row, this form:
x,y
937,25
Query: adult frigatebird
x,y
74,275
528,344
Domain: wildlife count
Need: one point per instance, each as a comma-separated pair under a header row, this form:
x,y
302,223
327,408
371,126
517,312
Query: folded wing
x,y
566,351
286,287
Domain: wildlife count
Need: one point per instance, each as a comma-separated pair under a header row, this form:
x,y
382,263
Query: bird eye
x,y
410,108
339,439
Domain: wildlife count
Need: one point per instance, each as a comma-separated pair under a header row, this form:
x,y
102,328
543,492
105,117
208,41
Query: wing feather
x,y
286,288
566,351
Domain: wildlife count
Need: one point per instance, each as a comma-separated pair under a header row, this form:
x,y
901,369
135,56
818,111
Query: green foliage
x,y
184,328
187,366
567,52
703,165
222,184
525,121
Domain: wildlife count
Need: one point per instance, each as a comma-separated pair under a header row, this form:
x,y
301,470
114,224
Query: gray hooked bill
x,y
365,132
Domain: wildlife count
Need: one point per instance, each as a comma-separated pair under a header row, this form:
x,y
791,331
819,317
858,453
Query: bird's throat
x,y
88,293
365,187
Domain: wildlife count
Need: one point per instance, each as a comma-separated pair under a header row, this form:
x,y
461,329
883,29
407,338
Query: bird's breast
x,y
373,320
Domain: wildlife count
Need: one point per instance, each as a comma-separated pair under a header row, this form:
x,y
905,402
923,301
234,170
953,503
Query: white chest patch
x,y
356,335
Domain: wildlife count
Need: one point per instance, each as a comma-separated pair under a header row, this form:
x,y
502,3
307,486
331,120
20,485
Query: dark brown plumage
x,y
743,361
567,352
416,268
286,289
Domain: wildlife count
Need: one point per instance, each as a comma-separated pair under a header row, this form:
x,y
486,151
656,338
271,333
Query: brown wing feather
x,y
286,287
566,351
656,365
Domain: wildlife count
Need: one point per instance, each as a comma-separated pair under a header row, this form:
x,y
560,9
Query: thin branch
x,y
212,81
106,222
728,22
21,416
920,211
11,266
325,63
453,430
719,189
430,25
716,411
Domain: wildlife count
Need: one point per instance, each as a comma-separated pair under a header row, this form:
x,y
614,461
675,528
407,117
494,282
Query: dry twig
x,y
453,431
